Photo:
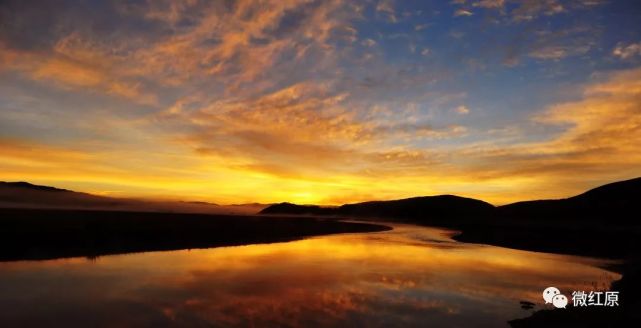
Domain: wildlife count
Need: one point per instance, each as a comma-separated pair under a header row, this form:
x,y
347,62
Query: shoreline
x,y
44,234
588,241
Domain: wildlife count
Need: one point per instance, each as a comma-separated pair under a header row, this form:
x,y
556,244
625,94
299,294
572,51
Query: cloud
x,y
462,110
598,139
628,51
556,52
462,12
302,130
489,3
171,12
259,90
551,44
368,42
533,9
608,117
529,10
386,7
17,151
75,63
313,97
239,44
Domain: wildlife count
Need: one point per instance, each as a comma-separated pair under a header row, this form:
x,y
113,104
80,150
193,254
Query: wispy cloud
x,y
528,10
462,110
627,51
75,63
386,7
314,101
489,3
462,12
599,133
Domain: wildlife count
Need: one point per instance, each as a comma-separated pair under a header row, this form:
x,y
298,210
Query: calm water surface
x,y
411,276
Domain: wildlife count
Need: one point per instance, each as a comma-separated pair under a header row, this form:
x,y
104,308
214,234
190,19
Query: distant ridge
x,y
421,210
27,185
27,195
289,208
603,221
619,201
614,202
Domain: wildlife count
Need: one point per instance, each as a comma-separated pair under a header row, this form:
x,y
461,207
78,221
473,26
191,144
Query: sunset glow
x,y
324,102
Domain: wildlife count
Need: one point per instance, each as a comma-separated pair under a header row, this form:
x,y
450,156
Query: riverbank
x,y
38,234
592,240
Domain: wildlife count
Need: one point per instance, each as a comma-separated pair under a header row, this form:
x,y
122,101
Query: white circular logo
x,y
560,301
553,295
549,293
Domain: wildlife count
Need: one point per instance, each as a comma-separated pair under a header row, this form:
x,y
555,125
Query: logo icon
x,y
549,293
560,301
553,295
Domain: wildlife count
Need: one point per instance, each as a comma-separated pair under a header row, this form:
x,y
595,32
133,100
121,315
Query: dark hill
x,y
293,209
428,209
24,194
600,222
29,186
27,195
436,210
618,202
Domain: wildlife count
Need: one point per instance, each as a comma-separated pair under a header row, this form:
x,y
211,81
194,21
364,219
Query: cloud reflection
x,y
383,279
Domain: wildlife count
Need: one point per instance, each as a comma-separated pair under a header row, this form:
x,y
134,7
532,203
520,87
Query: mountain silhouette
x,y
24,194
27,195
618,202
29,186
421,210
427,210
600,222
621,199
294,209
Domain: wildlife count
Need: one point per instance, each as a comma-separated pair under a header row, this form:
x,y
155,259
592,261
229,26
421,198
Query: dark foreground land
x,y
30,234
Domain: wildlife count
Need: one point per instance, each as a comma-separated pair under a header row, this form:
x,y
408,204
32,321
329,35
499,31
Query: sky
x,y
324,102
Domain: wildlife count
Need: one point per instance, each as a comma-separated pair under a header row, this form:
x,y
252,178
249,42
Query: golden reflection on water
x,y
408,276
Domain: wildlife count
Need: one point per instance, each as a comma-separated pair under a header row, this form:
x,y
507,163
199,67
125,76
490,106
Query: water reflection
x,y
408,276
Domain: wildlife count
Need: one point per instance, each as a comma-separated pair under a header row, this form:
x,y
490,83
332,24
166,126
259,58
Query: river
x,y
409,276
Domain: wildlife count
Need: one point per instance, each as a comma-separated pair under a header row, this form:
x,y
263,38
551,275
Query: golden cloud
x,y
600,136
75,63
277,96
